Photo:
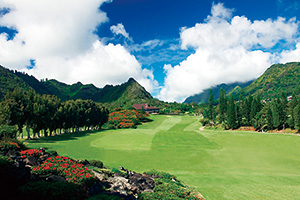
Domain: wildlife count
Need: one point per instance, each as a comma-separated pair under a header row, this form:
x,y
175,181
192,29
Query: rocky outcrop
x,y
127,184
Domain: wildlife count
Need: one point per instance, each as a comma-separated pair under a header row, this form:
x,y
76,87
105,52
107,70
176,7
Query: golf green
x,y
220,164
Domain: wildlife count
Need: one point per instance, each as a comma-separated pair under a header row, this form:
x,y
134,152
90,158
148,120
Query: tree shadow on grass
x,y
63,137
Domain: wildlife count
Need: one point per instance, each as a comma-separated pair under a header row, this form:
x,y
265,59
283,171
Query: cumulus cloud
x,y
291,55
227,49
119,29
59,37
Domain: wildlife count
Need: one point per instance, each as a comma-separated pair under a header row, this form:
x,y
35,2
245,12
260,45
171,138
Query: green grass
x,y
220,164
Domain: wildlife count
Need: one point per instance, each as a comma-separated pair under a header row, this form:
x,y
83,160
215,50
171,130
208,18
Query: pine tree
x,y
222,105
247,110
210,105
275,114
269,119
283,110
256,107
291,106
231,113
297,117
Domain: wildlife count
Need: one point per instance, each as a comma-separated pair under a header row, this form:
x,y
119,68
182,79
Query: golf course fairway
x,y
220,164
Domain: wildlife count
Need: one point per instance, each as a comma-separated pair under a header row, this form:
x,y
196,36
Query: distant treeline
x,y
279,113
48,114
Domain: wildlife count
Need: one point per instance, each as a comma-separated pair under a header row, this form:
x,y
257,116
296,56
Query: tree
x,y
210,105
222,105
16,104
291,106
297,117
255,108
239,107
275,114
247,110
231,113
283,110
269,117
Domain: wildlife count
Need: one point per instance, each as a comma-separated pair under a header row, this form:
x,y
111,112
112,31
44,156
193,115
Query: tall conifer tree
x,y
231,113
210,105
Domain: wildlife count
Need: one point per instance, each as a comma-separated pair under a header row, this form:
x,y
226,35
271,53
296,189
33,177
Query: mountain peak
x,y
131,80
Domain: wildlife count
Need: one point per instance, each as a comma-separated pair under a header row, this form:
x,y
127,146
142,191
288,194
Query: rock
x,y
55,178
142,182
32,161
148,190
12,154
99,176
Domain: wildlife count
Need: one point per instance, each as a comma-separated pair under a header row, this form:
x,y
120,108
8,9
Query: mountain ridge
x,y
202,97
123,95
276,79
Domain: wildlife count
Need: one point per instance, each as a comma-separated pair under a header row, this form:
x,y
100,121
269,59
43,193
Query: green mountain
x,y
202,97
124,95
9,81
74,91
276,79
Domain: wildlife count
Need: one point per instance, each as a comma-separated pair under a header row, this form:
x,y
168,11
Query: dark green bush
x,y
11,144
167,187
204,121
7,131
163,175
53,153
53,190
105,197
96,163
10,179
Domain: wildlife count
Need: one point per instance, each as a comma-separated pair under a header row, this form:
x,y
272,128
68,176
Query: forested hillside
x,y
276,79
9,81
124,95
202,97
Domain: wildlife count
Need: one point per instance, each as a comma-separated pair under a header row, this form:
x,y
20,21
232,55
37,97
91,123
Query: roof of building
x,y
145,106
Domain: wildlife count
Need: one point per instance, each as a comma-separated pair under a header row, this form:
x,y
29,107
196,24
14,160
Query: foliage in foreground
x,y
168,187
71,170
53,190
60,177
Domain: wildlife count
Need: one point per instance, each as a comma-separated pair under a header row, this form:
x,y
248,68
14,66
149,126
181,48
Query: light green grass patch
x,y
126,139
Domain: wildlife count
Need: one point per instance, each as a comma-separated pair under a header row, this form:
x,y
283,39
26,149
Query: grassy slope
x,y
222,165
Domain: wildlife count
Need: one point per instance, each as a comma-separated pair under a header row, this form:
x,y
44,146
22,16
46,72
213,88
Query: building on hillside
x,y
147,108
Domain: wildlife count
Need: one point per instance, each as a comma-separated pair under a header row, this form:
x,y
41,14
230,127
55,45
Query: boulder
x,y
55,178
31,161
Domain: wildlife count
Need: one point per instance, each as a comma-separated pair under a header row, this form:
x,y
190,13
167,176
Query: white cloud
x,y
291,55
227,50
119,29
59,36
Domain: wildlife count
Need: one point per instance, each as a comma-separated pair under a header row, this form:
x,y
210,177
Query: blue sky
x,y
174,48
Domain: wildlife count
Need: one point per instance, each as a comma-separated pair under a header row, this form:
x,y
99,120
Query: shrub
x,y
6,145
53,190
105,197
204,121
124,119
31,152
96,163
167,187
53,153
10,179
71,170
7,131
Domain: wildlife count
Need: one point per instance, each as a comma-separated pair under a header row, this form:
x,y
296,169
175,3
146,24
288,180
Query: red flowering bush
x,y
71,170
6,145
123,119
31,152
